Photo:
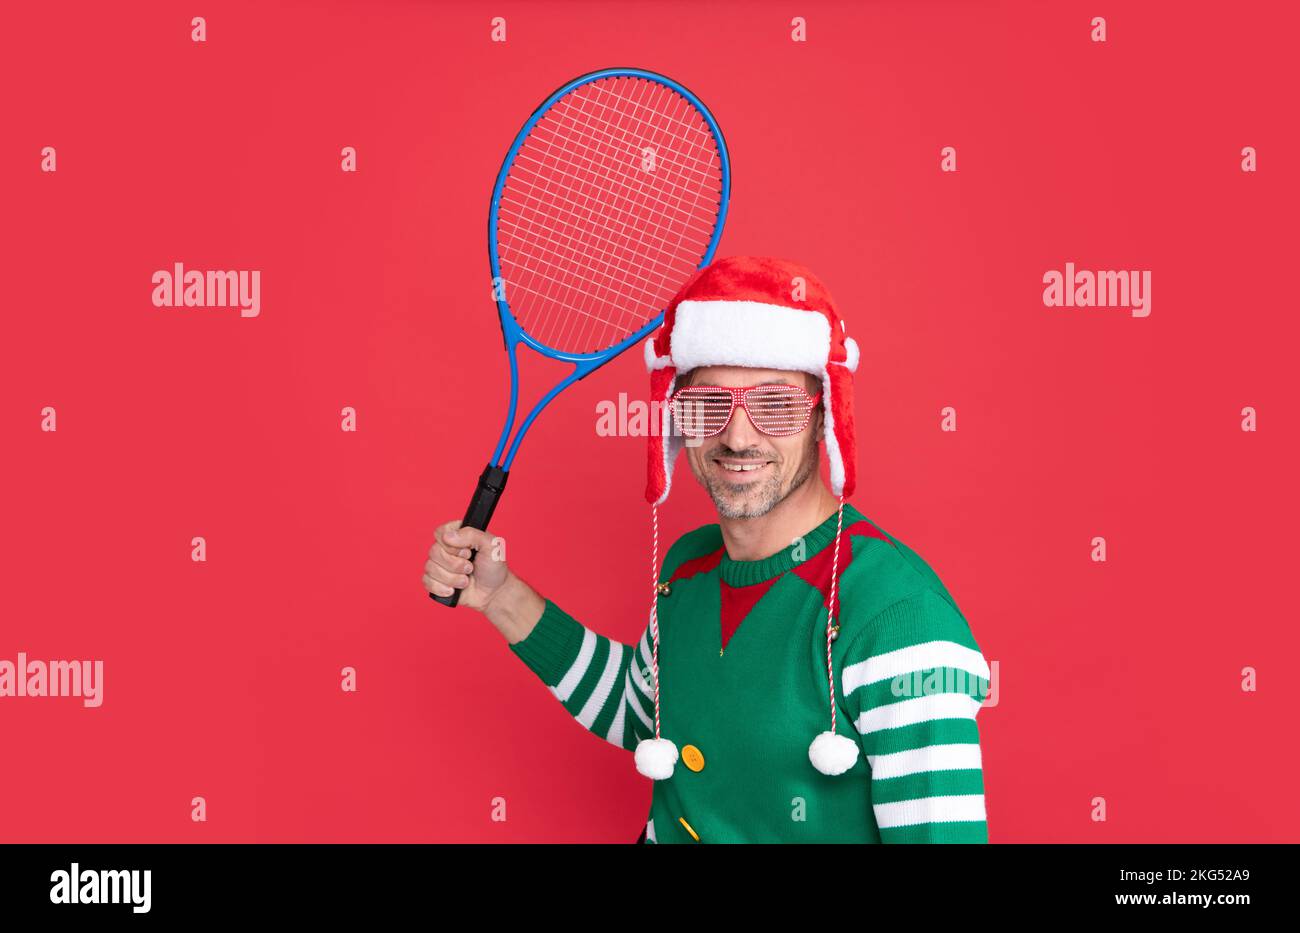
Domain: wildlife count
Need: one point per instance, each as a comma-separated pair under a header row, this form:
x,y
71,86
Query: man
x,y
788,636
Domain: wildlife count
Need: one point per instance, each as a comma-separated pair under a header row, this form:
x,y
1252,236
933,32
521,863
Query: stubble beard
x,y
745,500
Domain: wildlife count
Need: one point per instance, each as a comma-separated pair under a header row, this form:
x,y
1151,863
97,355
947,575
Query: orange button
x,y
693,758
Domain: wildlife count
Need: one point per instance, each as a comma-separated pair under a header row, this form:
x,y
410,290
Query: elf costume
x,y
772,674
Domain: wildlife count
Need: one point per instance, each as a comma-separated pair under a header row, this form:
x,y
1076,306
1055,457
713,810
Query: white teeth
x,y
737,468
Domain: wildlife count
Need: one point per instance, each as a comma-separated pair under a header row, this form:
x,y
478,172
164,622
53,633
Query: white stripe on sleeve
x,y
959,808
914,658
929,758
569,682
920,709
596,702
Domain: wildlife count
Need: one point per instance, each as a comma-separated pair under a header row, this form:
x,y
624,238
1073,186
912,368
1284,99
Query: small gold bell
x,y
835,632
663,588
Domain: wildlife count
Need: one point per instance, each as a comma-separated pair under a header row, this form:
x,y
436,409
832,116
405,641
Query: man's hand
x,y
449,567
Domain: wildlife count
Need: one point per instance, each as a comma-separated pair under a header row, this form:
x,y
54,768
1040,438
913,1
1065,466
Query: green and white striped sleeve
x,y
604,684
914,681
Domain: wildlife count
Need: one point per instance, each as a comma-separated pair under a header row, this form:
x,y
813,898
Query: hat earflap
x,y
665,442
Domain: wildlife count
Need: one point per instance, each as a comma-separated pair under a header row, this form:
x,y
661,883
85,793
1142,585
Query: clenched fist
x,y
450,568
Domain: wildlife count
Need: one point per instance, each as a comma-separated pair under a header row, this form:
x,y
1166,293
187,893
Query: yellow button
x,y
694,834
692,757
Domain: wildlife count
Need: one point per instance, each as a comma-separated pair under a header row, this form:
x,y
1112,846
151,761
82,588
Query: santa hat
x,y
768,314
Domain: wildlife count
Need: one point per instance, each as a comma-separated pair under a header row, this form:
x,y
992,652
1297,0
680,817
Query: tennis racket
x,y
611,196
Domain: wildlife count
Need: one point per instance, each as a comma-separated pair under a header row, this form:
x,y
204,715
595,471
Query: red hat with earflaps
x,y
769,314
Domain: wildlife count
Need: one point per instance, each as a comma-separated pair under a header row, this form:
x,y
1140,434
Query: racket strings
x,y
598,123
556,243
599,135
617,176
702,167
610,205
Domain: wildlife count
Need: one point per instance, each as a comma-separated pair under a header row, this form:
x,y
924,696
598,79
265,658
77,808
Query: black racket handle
x,y
490,484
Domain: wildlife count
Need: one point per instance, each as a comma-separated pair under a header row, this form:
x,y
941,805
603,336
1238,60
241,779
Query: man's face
x,y
777,466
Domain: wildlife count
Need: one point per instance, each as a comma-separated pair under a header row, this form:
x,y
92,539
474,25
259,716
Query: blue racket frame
x,y
493,479
584,363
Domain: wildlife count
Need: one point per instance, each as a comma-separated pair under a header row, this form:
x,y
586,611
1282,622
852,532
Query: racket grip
x,y
491,482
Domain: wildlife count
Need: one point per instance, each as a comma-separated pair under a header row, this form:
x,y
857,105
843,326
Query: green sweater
x,y
742,666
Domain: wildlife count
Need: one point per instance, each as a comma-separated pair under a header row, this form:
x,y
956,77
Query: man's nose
x,y
740,433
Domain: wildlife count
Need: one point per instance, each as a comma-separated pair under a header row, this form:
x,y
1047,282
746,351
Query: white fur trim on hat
x,y
851,349
831,753
749,333
653,362
834,456
655,758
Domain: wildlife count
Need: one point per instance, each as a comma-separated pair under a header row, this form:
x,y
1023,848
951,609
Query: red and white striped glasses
x,y
776,410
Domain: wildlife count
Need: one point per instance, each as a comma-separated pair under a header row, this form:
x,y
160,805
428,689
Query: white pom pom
x,y
655,758
832,753
653,362
851,354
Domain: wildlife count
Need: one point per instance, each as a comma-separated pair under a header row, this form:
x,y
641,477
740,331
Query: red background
x,y
1118,680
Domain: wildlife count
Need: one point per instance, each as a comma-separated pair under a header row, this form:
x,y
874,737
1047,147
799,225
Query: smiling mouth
x,y
741,467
